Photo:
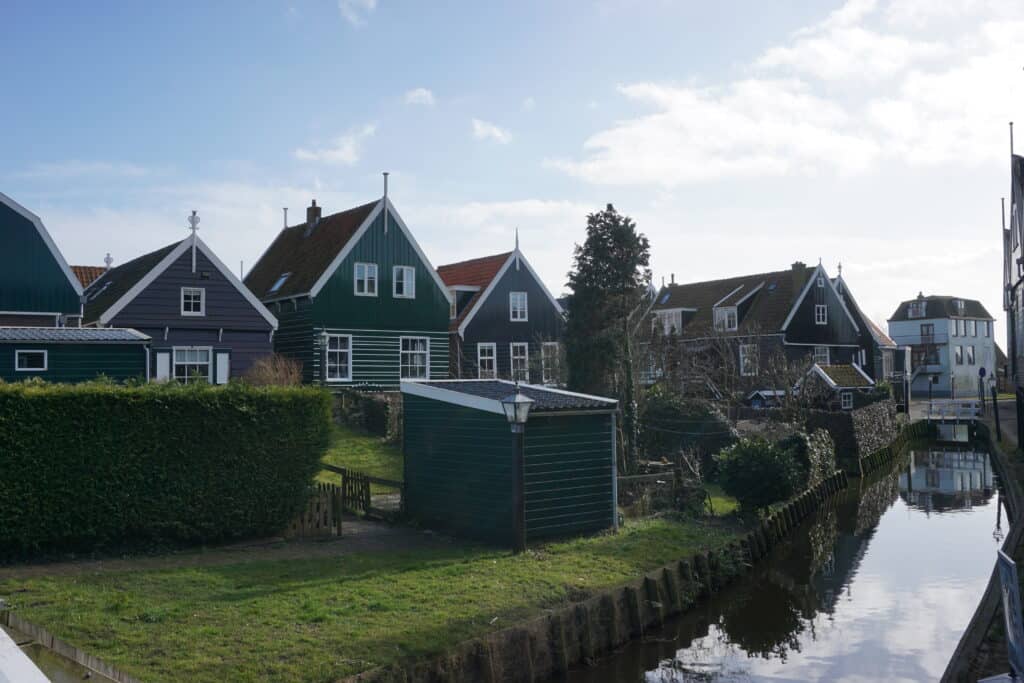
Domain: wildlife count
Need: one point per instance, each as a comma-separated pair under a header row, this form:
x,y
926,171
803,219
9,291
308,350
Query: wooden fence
x,y
372,496
322,516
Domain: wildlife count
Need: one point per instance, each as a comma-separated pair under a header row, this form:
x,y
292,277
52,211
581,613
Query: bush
x,y
670,423
274,370
93,465
372,412
758,473
814,454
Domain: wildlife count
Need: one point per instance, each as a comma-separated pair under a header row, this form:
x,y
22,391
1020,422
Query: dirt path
x,y
359,536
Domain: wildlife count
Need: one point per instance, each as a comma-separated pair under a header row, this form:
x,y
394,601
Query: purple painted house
x,y
202,320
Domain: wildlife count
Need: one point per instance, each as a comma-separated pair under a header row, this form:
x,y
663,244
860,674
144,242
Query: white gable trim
x,y
819,271
342,255
749,294
41,229
458,398
821,373
242,289
717,303
419,252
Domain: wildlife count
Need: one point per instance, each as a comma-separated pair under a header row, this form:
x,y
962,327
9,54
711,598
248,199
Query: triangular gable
x,y
819,271
47,240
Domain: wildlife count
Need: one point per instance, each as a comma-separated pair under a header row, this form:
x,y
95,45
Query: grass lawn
x,y
363,453
321,619
723,503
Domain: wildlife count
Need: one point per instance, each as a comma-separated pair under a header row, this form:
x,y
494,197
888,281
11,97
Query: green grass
x,y
722,503
322,619
363,453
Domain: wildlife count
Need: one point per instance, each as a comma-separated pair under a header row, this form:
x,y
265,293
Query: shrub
x,y
670,423
93,465
814,454
758,473
274,370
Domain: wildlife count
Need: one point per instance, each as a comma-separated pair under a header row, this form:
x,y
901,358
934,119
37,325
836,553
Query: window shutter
x,y
163,366
223,367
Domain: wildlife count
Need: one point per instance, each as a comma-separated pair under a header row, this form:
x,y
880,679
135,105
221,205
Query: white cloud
x,y
344,149
419,96
77,169
356,12
484,130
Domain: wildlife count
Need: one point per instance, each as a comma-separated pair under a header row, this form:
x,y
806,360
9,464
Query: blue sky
x,y
739,139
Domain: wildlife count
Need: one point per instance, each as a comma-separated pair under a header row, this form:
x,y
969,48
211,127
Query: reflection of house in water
x,y
947,479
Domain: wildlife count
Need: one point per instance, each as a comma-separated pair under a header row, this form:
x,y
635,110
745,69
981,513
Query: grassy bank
x,y
321,619
363,453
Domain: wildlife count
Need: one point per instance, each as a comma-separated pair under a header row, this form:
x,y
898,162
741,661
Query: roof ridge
x,y
729,279
303,224
505,254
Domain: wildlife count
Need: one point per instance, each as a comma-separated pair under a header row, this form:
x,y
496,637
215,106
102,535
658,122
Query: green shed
x,y
72,354
460,460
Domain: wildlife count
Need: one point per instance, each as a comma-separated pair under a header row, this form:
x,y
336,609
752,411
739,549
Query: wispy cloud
x,y
356,12
419,96
485,130
78,169
344,149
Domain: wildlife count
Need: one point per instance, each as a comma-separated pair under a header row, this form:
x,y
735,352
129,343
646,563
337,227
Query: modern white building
x,y
951,344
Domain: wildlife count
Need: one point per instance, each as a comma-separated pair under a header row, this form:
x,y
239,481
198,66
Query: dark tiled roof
x,y
115,283
768,309
82,335
306,257
86,274
881,338
846,376
943,307
544,399
478,272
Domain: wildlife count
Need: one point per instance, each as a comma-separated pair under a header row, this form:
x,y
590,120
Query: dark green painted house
x,y
357,301
37,288
460,456
72,354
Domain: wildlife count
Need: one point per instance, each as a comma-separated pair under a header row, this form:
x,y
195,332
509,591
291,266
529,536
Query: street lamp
x,y
517,410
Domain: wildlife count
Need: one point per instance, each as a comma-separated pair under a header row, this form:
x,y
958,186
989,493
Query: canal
x,y
877,586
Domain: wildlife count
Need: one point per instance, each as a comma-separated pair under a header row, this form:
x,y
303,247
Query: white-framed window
x,y
519,352
339,357
517,307
193,363
988,328
487,360
961,328
193,301
970,355
955,329
821,281
279,282
958,354
821,356
365,279
550,362
846,400
748,360
403,282
726,319
414,361
820,314
972,328
916,310
31,360
669,321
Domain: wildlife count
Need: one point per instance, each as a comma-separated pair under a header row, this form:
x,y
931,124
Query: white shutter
x,y
163,366
223,367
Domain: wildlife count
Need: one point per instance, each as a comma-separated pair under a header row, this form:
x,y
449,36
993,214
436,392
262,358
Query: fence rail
x,y
322,516
953,409
357,496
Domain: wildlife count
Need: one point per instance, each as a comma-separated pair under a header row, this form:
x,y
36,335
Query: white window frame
x,y
327,354
493,348
972,328
969,354
988,328
365,279
202,302
46,360
669,320
961,328
916,310
727,319
175,363
512,308
846,400
820,314
512,361
408,282
402,353
821,281
545,366
748,352
817,356
958,355
279,283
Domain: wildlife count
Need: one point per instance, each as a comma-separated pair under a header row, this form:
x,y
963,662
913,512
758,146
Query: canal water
x,y
877,586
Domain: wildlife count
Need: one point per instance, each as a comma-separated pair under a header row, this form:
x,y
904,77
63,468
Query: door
x,y
163,366
223,367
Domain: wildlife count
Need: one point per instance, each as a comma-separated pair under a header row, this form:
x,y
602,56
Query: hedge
x,y
93,465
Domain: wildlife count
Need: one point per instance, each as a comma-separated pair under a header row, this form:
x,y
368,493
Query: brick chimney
x,y
799,275
312,217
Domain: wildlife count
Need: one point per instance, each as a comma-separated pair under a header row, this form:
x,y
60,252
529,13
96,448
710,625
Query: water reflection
x,y
877,586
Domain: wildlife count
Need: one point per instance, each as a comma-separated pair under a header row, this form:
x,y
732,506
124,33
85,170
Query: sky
x,y
740,136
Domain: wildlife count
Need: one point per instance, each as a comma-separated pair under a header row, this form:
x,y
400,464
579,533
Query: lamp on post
x,y
517,410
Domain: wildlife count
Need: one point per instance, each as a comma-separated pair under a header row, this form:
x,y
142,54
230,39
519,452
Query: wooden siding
x,y
294,336
31,279
21,320
243,346
839,329
458,469
568,478
77,362
376,356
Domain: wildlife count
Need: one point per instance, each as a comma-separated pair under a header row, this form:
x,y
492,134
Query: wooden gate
x,y
322,516
373,496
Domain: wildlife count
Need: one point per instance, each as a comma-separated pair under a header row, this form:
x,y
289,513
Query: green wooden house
x,y
37,288
72,354
357,301
460,456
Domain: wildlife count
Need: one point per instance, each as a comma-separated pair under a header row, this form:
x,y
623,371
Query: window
x,y
988,328
726,319
928,330
820,314
821,281
972,328
916,310
517,311
961,328
403,283
279,283
339,357
192,364
821,356
669,321
30,361
846,400
748,360
970,355
415,358
520,354
550,363
955,329
486,361
958,353
193,301
366,279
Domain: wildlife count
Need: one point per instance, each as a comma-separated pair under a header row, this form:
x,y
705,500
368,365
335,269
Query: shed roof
x,y
843,376
66,335
487,394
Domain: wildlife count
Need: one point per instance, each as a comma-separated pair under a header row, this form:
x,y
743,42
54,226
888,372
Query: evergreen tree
x,y
609,281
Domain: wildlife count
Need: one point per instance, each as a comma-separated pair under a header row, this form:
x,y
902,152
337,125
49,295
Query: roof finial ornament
x,y
108,260
819,260
193,224
517,247
840,268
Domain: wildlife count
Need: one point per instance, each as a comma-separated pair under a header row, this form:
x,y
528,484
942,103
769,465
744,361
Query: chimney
x,y
312,217
672,279
799,268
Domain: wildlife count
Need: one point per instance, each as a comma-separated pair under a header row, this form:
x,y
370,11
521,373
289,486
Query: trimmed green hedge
x,y
92,465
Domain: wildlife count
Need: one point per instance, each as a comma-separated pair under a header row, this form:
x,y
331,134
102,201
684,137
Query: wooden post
x,y
518,499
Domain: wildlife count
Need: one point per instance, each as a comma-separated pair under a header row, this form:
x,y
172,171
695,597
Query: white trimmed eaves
x,y
716,304
749,294
238,284
76,285
458,398
486,293
126,298
343,254
863,374
551,298
821,373
819,270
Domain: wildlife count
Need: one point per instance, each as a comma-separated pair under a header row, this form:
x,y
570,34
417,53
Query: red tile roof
x,y
476,272
86,274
